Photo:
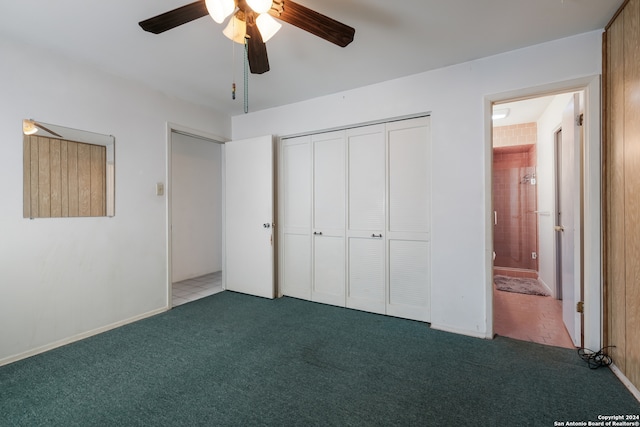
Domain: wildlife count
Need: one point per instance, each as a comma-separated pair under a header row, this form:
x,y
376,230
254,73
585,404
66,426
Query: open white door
x,y
249,216
569,216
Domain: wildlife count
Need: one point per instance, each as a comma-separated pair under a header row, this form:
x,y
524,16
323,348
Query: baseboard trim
x,y
552,293
78,337
474,334
628,384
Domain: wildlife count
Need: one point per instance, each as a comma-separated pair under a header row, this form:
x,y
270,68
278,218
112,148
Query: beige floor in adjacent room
x,y
196,288
530,318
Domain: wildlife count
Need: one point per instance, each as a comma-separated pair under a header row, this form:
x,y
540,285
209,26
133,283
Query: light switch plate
x,y
159,189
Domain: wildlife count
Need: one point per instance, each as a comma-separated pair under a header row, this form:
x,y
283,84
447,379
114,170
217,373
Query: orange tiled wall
x,y
522,134
514,197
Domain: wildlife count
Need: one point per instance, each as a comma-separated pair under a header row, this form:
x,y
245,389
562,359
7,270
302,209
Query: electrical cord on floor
x,y
596,359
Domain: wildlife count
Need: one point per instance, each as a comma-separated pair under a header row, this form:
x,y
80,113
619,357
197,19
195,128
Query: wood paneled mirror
x,y
67,172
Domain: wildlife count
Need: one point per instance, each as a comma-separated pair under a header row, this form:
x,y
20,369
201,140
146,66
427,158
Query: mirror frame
x,y
34,127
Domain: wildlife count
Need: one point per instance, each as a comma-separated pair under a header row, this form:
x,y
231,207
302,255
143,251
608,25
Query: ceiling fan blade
x,y
258,59
175,18
314,22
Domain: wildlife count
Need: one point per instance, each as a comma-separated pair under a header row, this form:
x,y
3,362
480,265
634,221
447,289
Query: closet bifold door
x,y
355,218
328,250
408,219
295,217
366,285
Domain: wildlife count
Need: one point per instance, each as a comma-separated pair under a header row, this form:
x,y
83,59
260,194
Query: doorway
x,y
588,237
195,216
527,302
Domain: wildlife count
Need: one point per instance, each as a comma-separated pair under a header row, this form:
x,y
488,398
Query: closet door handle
x,y
377,236
317,233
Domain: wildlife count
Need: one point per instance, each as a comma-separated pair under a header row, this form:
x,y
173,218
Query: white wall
x,y
64,278
457,98
196,207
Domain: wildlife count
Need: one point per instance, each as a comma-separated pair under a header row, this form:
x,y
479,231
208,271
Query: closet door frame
x,y
385,238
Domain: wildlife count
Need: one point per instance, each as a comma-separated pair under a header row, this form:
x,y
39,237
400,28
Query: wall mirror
x,y
67,172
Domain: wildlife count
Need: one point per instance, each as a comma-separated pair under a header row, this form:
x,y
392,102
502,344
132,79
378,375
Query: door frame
x,y
216,139
592,261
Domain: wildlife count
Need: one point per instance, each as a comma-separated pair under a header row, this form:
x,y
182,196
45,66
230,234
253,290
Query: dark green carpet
x,y
232,359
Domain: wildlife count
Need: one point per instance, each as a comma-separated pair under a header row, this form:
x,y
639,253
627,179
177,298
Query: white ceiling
x,y
523,111
393,39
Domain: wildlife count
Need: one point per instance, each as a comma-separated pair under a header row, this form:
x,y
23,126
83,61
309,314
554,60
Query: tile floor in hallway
x,y
196,288
530,318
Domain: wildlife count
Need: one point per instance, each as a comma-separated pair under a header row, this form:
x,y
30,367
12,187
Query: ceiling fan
x,y
252,21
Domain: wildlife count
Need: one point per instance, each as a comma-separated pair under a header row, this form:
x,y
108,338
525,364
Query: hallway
x,y
196,288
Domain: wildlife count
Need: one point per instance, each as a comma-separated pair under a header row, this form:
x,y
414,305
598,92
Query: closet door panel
x,y
366,287
409,183
295,229
366,166
329,188
329,270
296,177
408,235
329,182
409,279
296,277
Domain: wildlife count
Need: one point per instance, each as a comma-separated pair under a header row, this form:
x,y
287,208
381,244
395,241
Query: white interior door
x,y
249,216
569,216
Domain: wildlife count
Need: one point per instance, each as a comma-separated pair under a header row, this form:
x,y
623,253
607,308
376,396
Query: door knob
x,y
266,225
558,228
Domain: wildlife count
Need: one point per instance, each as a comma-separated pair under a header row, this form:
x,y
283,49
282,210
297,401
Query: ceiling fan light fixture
x,y
260,6
235,30
28,127
220,9
268,26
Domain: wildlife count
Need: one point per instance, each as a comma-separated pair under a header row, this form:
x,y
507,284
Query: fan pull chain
x,y
233,85
246,76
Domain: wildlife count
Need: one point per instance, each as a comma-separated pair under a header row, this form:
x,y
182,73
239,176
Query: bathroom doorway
x,y
527,304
